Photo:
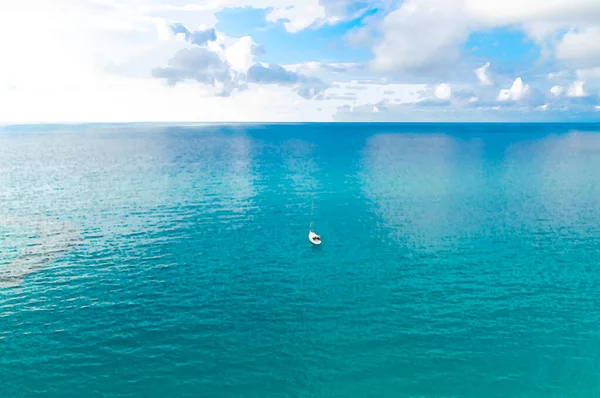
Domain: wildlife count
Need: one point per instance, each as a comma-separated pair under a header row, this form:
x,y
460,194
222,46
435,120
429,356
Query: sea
x,y
150,260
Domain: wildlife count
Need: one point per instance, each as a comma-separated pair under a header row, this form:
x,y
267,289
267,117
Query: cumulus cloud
x,y
197,64
483,75
435,96
520,102
421,35
228,63
215,59
419,112
556,90
239,53
517,91
581,47
443,91
576,89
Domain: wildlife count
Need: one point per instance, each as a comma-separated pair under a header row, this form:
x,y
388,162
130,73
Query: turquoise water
x,y
458,260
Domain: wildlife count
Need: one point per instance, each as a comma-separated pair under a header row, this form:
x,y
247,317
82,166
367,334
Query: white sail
x,y
312,236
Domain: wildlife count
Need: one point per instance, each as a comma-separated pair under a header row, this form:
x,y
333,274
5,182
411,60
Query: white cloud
x,y
577,89
517,91
505,12
421,35
483,76
240,53
206,56
556,90
443,91
581,47
543,21
130,39
90,60
589,74
201,65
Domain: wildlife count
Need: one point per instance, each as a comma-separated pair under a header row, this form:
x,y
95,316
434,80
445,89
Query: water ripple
x,y
175,263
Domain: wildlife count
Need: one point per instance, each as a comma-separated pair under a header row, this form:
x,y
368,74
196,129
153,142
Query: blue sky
x,y
326,43
299,60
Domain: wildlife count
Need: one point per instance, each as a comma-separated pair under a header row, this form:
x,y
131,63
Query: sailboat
x,y
312,236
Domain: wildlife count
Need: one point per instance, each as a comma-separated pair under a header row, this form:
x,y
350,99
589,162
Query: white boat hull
x,y
312,236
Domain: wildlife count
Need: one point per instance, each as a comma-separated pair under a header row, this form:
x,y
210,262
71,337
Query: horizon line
x,y
225,123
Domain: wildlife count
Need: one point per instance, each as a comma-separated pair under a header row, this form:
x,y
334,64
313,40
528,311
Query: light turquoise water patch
x,y
458,260
13,240
24,253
